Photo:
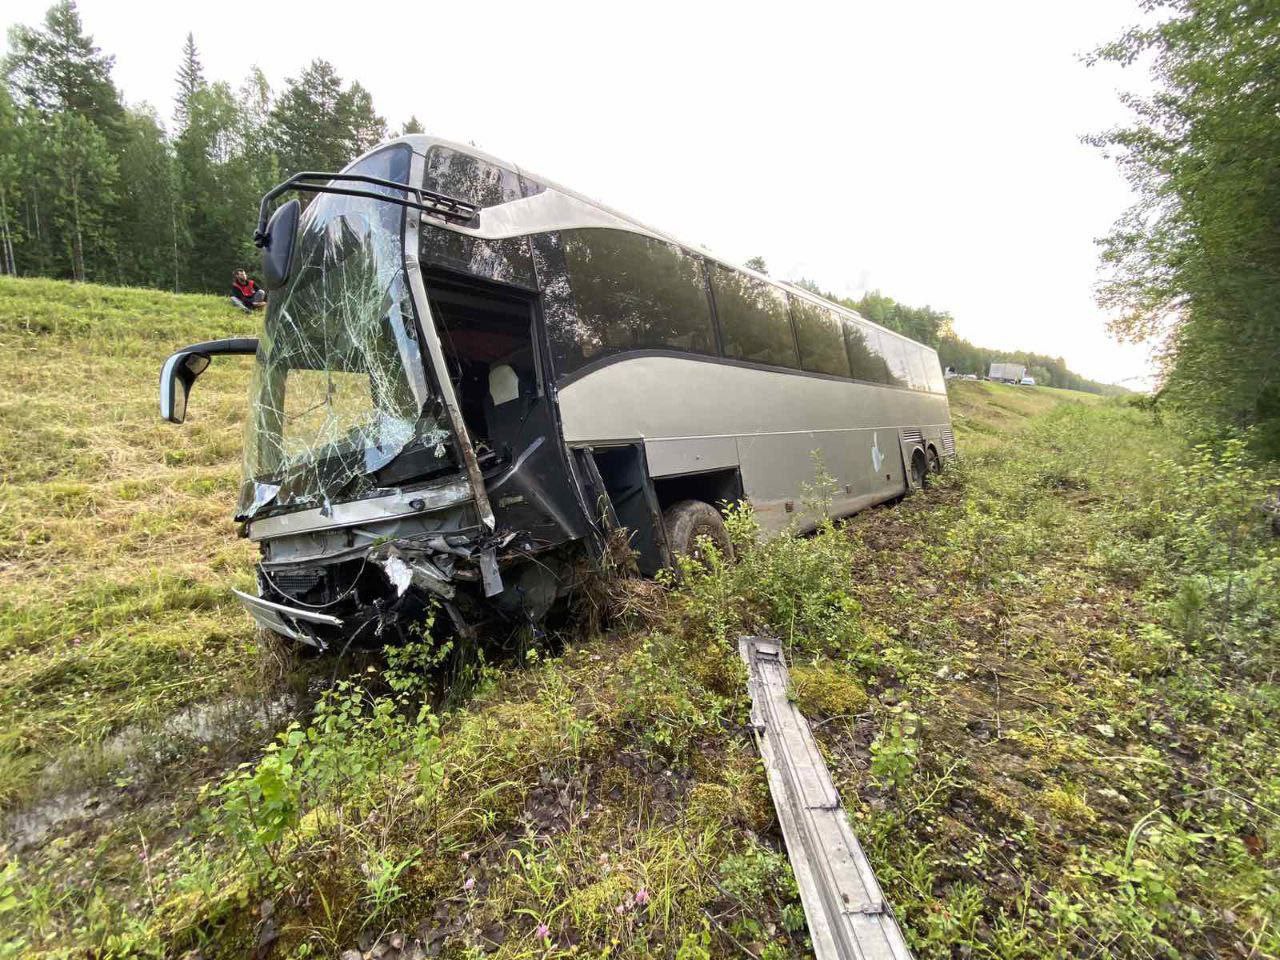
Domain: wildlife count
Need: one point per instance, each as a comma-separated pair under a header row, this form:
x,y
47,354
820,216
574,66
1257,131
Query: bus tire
x,y
935,461
919,471
688,520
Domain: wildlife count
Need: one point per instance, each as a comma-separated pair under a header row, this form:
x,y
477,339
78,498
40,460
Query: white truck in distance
x,y
1007,372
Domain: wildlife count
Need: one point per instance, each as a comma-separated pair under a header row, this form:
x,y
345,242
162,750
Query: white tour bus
x,y
467,374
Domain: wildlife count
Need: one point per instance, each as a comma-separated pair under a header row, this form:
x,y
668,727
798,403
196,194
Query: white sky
x,y
929,149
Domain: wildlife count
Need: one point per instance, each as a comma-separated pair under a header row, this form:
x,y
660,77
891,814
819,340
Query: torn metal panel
x,y
849,919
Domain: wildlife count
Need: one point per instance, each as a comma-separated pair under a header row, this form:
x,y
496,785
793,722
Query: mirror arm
x,y
428,201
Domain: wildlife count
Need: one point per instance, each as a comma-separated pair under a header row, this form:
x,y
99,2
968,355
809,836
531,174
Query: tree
x,y
318,125
85,172
218,207
11,150
147,230
1195,264
412,125
190,79
72,128
60,70
357,115
757,264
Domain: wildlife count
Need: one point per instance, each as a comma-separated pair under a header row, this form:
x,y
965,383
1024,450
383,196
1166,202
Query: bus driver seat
x,y
506,407
504,384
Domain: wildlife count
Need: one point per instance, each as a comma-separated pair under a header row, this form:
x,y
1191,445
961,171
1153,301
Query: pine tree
x,y
190,79
317,125
413,125
59,70
73,129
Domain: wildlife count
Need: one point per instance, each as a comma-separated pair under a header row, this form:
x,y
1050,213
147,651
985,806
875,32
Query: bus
x,y
467,375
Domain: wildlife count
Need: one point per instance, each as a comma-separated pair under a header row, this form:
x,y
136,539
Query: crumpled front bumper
x,y
292,622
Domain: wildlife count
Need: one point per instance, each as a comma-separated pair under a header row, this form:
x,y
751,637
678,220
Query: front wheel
x,y
687,521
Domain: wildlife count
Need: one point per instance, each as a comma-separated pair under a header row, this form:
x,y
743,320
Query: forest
x,y
936,328
1194,265
94,189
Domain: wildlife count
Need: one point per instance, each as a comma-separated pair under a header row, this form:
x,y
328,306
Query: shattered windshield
x,y
338,395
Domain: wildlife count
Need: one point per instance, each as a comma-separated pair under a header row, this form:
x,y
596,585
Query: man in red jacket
x,y
245,293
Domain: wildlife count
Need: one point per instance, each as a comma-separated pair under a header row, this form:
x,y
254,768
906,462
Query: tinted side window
x,y
821,338
919,372
507,261
632,293
937,382
865,360
754,320
470,178
894,351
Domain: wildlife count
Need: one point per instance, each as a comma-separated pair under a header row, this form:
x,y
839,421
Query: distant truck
x,y
1007,372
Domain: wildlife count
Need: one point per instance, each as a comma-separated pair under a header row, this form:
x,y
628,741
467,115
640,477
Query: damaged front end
x,y
362,487
373,579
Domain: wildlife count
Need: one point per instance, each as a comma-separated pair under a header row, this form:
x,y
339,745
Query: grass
x,y
985,413
116,546
1046,689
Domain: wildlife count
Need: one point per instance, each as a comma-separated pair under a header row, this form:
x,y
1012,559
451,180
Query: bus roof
x,y
421,142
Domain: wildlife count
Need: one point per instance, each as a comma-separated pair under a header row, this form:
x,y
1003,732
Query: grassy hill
x,y
985,413
116,546
1046,688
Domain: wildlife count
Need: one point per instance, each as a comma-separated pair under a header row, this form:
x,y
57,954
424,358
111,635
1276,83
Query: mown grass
x,y
116,546
984,414
1046,689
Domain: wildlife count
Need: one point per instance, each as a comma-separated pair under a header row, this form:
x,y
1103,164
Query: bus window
x,y
754,320
865,361
631,293
818,331
895,355
470,178
916,362
937,382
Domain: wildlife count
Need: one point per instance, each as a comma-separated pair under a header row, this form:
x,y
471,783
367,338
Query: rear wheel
x,y
919,471
689,520
935,461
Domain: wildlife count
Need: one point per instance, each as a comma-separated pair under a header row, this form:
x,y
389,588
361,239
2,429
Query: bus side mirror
x,y
278,243
176,380
179,373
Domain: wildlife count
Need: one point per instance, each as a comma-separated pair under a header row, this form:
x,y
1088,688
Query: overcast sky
x,y
930,150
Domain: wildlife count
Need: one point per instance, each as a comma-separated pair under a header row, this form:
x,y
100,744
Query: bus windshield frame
x,y
339,390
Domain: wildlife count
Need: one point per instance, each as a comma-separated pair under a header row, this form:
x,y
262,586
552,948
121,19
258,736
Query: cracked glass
x,y
338,397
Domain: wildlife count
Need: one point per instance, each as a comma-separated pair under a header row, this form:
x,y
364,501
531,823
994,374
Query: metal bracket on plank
x,y
848,917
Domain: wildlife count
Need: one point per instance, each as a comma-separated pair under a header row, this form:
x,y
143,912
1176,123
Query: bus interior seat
x,y
481,335
504,384
511,395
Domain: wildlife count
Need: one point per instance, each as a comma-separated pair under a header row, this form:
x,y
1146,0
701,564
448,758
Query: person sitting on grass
x,y
245,293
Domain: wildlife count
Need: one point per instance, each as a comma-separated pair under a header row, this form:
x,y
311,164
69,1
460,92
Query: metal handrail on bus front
x,y
428,201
